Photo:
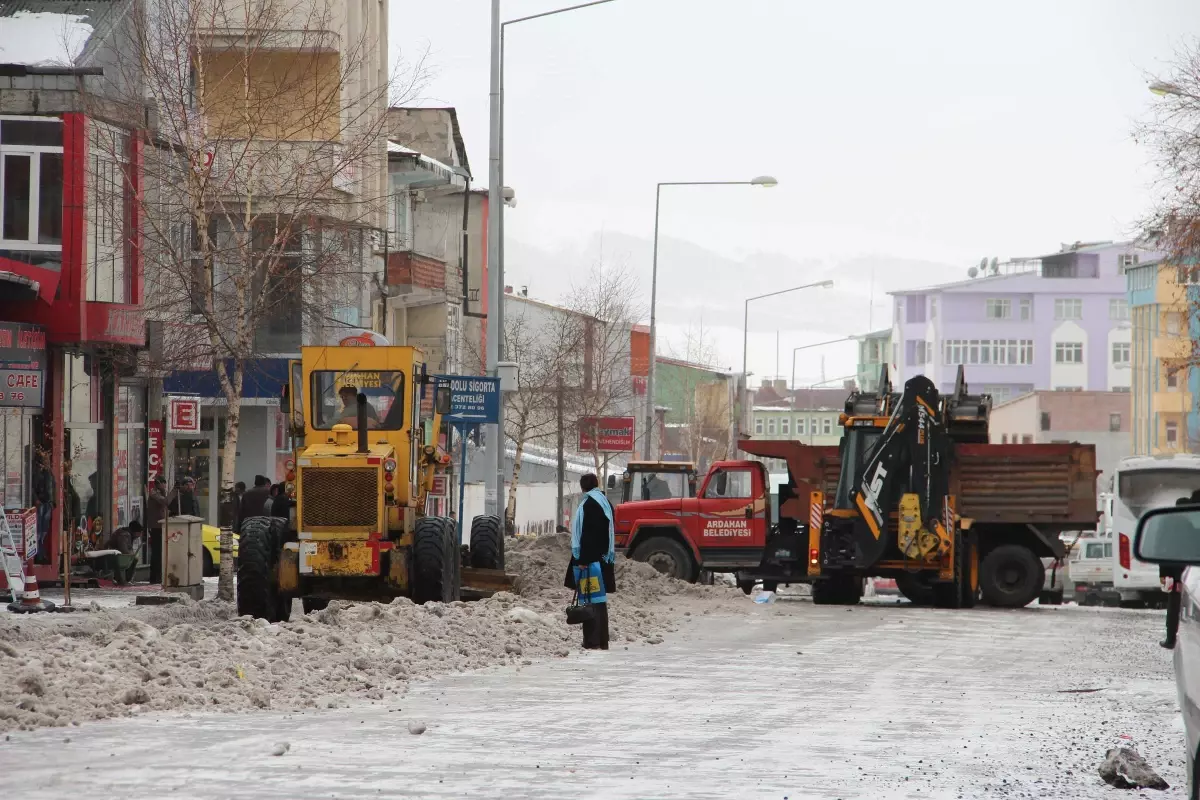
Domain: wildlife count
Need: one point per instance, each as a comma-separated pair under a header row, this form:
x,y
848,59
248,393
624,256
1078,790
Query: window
x,y
987,351
1121,352
758,426
1172,431
1068,388
1068,352
105,214
1118,309
771,426
1172,380
1068,308
1125,261
801,426
1172,323
1027,438
1114,423
827,427
1004,438
334,398
31,181
1045,420
1188,276
933,308
785,426
1026,309
730,484
998,308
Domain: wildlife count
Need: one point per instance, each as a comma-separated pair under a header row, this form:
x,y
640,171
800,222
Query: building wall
x,y
1164,325
874,351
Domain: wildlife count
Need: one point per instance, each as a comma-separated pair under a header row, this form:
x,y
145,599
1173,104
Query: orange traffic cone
x,y
31,600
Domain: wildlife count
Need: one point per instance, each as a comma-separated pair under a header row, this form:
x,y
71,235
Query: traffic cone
x,y
31,600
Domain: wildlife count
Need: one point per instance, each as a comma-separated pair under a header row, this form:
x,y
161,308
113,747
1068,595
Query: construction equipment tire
x,y
745,584
487,542
436,566
916,589
838,591
1011,576
312,604
256,580
667,556
770,586
969,586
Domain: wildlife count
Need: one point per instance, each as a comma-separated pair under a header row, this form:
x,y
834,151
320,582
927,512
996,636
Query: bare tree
x,y
702,396
263,176
606,309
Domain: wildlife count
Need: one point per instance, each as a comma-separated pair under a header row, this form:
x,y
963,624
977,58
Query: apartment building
x,y
1059,321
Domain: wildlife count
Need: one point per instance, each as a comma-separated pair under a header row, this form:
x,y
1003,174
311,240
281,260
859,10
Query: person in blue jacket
x,y
593,556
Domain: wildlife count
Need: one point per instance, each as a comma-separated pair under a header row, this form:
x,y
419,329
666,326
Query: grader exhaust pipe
x,y
362,423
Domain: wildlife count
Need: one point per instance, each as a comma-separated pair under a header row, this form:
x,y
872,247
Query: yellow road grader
x,y
352,523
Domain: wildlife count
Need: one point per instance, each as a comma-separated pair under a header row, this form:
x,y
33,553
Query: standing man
x,y
255,502
156,514
593,555
45,498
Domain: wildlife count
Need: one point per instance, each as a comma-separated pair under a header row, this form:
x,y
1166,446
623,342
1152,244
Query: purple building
x,y
1059,322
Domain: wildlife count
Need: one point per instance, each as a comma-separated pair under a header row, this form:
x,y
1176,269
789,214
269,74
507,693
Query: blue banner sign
x,y
474,399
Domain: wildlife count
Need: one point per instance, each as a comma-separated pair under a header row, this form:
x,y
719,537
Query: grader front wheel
x,y
436,563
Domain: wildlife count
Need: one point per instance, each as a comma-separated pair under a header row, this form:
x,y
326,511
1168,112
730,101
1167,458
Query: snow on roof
x,y
43,38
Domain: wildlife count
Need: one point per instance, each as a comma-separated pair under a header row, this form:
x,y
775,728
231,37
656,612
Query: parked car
x,y
1171,536
211,540
1090,572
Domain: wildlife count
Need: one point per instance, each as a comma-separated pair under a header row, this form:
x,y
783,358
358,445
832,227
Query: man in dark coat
x,y
255,502
591,571
156,512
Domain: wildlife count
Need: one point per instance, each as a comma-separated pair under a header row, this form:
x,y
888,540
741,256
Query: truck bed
x,y
1052,486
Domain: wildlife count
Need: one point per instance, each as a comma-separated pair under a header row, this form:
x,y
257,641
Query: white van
x,y
1143,483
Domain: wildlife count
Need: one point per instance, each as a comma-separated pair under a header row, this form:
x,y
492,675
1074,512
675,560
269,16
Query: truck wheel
x,y
770,586
487,543
1011,576
312,604
257,595
667,556
915,588
435,561
209,570
838,591
745,584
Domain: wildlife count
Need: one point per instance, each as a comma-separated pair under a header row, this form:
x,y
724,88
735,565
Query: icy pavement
x,y
793,701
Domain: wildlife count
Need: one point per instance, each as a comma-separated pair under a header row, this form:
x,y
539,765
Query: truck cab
x,y
723,528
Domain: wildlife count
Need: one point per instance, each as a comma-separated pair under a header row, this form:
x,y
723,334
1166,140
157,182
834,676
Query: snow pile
x,y
43,38
118,662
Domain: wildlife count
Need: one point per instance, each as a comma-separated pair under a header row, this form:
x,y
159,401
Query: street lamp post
x,y
494,483
808,346
745,344
762,180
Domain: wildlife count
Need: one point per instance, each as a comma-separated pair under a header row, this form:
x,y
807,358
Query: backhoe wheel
x,y
487,542
915,588
1011,576
436,566
312,604
258,555
667,556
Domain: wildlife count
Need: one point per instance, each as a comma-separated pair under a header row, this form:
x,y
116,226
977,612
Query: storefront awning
x,y
264,379
18,288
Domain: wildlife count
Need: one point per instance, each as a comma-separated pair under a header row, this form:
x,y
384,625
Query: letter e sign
x,y
183,414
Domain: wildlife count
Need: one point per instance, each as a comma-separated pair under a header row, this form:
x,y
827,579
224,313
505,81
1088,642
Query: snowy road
x,y
792,701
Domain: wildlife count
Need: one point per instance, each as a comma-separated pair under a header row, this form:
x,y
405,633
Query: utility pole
x,y
494,482
562,459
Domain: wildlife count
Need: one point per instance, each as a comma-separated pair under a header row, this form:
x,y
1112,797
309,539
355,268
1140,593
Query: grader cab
x,y
356,527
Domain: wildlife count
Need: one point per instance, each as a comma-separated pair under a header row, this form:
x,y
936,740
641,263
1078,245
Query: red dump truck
x,y
994,509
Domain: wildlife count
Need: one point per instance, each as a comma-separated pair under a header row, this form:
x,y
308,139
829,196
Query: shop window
x,y
16,457
31,178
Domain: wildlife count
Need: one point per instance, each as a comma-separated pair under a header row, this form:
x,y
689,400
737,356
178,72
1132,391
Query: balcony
x,y
1172,402
416,271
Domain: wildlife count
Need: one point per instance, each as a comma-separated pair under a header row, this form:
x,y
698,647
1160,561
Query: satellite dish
x,y
983,264
973,271
995,265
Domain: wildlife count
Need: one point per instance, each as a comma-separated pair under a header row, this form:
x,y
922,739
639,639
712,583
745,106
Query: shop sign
x,y
108,322
23,524
441,486
154,449
21,388
22,346
606,434
363,338
183,414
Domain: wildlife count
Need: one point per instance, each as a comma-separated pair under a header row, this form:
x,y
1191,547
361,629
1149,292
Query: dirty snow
x,y
106,662
43,38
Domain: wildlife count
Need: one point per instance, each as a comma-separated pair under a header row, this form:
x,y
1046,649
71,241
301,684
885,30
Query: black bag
x,y
579,613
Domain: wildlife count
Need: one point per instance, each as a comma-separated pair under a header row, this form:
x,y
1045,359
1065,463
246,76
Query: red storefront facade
x,y
79,277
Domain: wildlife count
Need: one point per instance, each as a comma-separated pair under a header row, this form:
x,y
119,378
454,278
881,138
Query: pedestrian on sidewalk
x,y
256,502
593,554
156,513
45,498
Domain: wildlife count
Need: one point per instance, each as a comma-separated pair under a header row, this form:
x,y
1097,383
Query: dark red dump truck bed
x,y
1052,486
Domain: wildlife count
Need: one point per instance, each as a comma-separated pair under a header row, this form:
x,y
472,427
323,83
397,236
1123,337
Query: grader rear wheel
x,y
257,595
436,565
487,542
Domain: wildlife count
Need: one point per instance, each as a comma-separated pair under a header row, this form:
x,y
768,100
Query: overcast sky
x,y
937,132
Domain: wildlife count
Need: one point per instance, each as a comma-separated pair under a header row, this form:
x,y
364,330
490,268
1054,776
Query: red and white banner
x,y
607,434
23,524
154,449
183,414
